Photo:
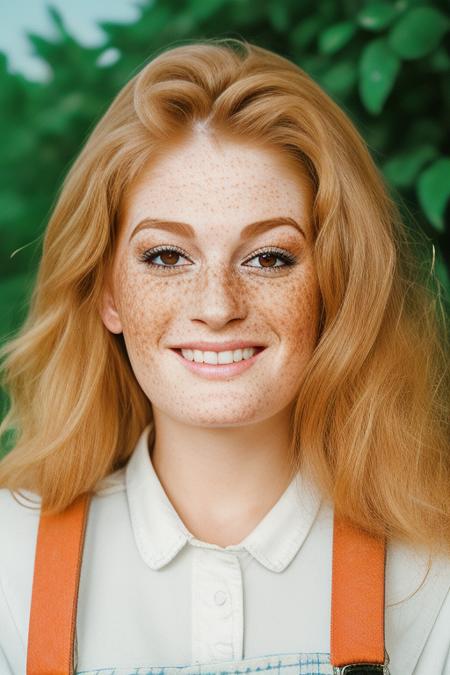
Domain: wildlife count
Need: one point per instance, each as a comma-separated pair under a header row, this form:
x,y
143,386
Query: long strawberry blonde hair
x,y
370,421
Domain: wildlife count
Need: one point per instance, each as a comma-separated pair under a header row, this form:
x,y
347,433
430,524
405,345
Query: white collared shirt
x,y
151,594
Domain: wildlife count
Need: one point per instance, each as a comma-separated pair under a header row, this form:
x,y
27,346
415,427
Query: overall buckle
x,y
364,668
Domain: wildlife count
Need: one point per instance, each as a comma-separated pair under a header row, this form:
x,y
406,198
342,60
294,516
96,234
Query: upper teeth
x,y
218,357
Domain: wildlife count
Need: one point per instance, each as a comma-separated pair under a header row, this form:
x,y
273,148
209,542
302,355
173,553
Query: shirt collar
x,y
160,533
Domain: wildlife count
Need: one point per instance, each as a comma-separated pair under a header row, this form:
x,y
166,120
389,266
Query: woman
x,y
289,370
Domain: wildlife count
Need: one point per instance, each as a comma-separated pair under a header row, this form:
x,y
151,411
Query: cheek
x,y
145,305
305,316
292,308
295,319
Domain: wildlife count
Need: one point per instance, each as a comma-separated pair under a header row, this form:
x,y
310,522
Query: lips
x,y
222,371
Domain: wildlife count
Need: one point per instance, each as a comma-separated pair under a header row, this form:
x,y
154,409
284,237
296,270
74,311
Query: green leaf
x,y
378,69
440,60
278,16
305,32
376,15
335,37
403,168
433,190
418,32
58,22
340,78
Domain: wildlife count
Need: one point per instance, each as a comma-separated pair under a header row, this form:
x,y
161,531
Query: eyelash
x,y
147,256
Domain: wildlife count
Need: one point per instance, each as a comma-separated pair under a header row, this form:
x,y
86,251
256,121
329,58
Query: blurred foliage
x,y
385,63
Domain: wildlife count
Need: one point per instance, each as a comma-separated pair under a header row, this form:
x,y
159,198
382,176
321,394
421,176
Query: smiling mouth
x,y
219,371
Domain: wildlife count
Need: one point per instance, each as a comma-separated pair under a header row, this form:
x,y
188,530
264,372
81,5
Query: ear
x,y
109,313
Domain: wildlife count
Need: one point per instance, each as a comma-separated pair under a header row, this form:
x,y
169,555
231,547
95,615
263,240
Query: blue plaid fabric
x,y
275,664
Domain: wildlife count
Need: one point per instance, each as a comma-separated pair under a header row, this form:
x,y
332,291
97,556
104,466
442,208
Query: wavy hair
x,y
370,420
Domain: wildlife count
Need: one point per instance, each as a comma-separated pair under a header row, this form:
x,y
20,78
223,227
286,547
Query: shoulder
x,y
20,513
19,520
11,500
19,524
407,567
22,509
417,607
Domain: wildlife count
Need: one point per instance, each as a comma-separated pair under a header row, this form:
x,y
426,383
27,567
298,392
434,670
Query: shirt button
x,y
220,597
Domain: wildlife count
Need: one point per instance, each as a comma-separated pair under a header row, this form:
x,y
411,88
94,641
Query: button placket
x,y
217,608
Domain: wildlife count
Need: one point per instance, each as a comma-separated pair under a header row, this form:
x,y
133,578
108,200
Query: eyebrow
x,y
186,230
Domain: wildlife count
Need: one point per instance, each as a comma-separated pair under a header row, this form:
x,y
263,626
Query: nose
x,y
218,297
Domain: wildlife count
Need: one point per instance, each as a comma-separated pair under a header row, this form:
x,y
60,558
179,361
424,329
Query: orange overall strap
x,y
357,598
54,599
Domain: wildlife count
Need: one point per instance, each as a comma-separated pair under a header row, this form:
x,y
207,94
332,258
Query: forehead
x,y
209,178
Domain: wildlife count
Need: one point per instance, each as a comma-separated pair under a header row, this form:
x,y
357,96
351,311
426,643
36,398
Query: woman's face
x,y
218,285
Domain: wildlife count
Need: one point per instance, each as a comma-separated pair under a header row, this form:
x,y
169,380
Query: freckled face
x,y
216,287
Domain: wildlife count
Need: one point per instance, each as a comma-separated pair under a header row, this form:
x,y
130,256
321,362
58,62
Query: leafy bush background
x,y
385,63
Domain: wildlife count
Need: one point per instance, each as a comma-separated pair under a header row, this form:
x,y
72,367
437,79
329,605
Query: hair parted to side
x,y
371,416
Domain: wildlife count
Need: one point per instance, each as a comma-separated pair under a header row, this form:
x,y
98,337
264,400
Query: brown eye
x,y
267,258
169,257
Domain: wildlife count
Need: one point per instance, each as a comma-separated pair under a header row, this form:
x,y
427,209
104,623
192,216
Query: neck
x,y
222,481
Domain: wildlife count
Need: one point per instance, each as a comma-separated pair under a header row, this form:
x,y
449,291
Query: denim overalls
x,y
275,664
357,609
